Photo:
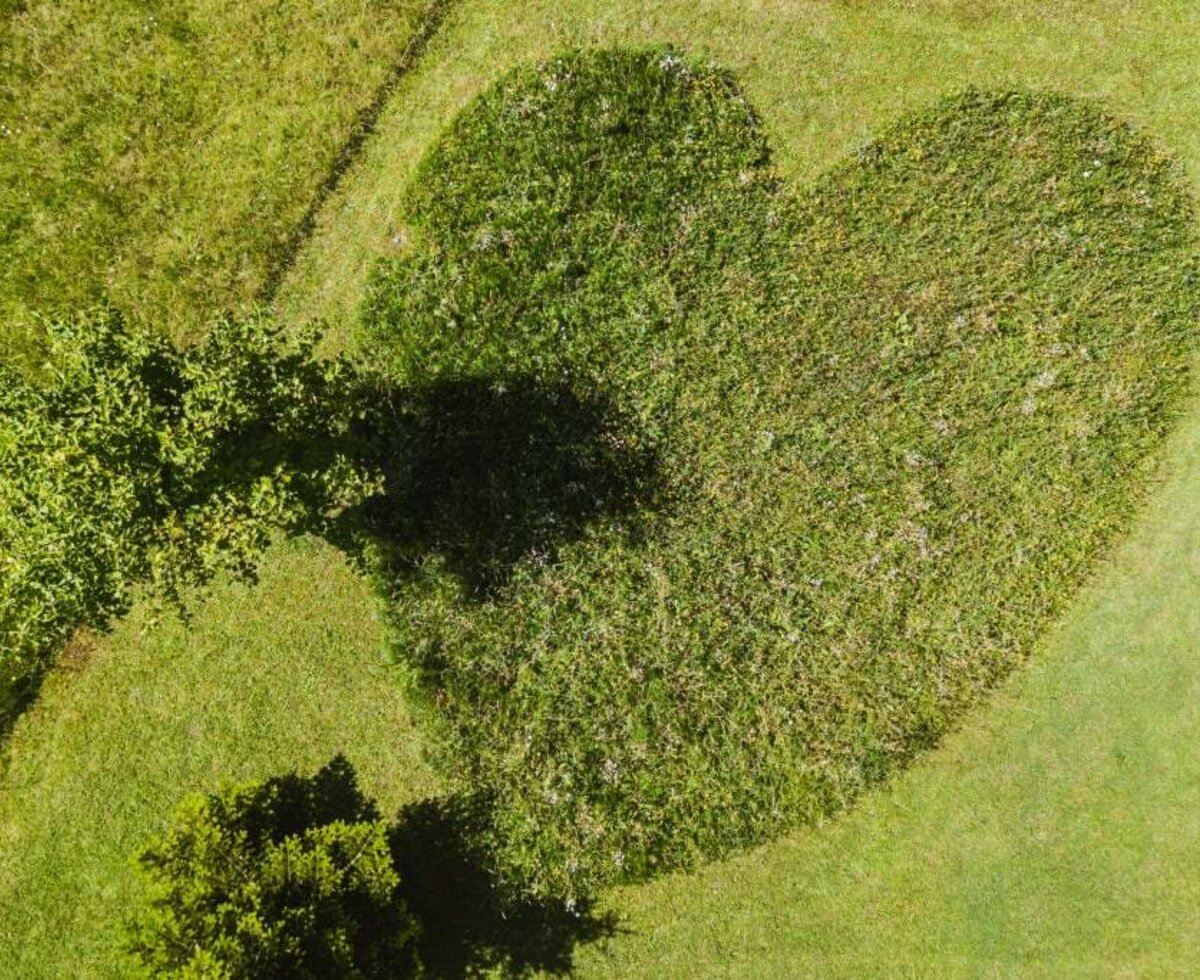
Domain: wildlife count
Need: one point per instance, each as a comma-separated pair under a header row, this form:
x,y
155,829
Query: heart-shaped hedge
x,y
737,498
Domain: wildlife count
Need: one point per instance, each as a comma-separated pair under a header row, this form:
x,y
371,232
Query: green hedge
x,y
893,419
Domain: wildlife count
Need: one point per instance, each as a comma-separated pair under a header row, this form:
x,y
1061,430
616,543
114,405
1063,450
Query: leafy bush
x,y
895,420
131,462
291,877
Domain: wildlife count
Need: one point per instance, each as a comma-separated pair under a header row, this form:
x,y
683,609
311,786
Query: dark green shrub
x,y
895,420
288,878
131,462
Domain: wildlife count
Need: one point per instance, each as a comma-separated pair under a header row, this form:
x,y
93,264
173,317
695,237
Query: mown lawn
x,y
163,154
1052,833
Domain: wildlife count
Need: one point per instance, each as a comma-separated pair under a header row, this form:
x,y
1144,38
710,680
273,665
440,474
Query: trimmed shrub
x,y
894,419
291,877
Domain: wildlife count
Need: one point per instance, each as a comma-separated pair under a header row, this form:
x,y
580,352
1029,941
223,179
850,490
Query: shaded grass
x,y
162,154
1060,825
896,419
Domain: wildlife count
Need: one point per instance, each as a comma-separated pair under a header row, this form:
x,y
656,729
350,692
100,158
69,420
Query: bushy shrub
x,y
288,878
895,419
129,461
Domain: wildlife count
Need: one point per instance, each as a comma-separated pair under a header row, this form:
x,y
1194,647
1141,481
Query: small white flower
x,y
610,772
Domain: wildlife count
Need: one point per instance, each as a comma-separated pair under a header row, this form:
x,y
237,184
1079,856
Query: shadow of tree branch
x,y
487,473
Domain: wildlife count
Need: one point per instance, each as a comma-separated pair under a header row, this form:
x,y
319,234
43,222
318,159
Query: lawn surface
x,y
163,154
722,499
1052,834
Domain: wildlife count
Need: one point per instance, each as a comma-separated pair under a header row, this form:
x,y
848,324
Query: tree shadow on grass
x,y
487,473
481,472
14,702
465,924
467,927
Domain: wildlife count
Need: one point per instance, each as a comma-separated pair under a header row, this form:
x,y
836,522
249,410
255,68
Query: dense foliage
x,y
129,461
288,878
893,422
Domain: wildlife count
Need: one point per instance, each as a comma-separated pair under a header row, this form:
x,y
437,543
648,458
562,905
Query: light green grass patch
x,y
256,685
161,154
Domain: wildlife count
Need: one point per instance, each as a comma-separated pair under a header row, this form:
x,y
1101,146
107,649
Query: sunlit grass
x,y
129,724
1055,834
161,154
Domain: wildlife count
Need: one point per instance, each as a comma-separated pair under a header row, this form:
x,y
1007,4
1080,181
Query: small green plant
x,y
288,878
129,461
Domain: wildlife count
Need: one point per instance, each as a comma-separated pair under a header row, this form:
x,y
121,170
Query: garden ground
x,y
1050,835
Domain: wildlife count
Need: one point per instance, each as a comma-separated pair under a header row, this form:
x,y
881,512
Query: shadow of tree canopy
x,y
487,472
288,805
467,926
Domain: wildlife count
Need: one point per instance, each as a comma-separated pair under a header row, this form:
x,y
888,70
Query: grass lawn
x,y
163,154
259,686
778,483
1054,835
1053,832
